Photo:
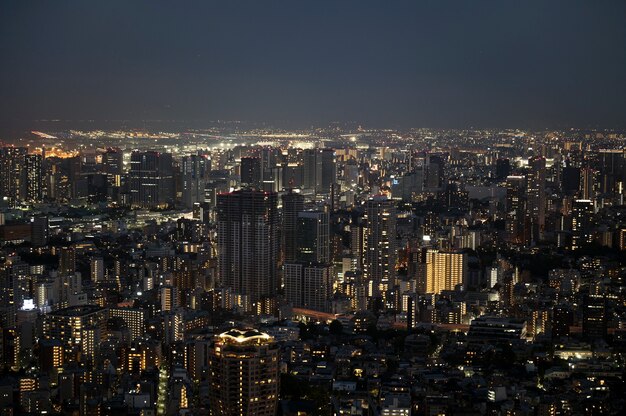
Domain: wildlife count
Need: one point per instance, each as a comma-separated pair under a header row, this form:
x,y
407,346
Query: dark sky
x,y
381,63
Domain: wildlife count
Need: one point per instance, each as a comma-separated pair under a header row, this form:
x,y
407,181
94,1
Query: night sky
x,y
380,63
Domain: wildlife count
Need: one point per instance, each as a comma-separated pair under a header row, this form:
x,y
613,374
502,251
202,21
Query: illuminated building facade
x,y
243,374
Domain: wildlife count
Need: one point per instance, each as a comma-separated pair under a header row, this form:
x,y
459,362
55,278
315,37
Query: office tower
x,y
248,245
97,269
271,170
319,170
536,194
587,183
594,317
570,180
134,319
380,245
39,231
194,174
434,173
611,170
312,170
329,170
582,218
32,165
113,168
67,261
515,209
251,172
243,374
313,243
13,183
151,180
444,270
293,203
309,285
503,168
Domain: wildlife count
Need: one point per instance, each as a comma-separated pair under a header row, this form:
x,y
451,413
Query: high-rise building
x,y
39,231
313,243
293,203
73,326
434,179
113,168
243,374
312,170
582,217
612,171
151,179
308,285
248,245
194,174
134,319
380,245
251,171
32,164
536,194
570,184
515,209
319,170
562,319
503,168
13,183
594,317
67,260
444,270
169,298
97,269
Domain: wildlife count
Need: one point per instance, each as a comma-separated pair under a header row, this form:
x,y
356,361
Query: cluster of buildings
x,y
348,272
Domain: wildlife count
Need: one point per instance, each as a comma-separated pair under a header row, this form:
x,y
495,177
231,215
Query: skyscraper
x,y
195,170
536,191
248,245
515,208
243,374
33,178
313,237
251,172
293,203
319,170
113,167
582,216
380,245
12,185
151,179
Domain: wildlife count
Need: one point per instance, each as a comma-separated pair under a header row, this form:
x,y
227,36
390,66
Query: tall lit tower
x,y
194,174
444,270
293,203
33,178
380,245
151,179
515,204
12,185
248,245
536,191
243,374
